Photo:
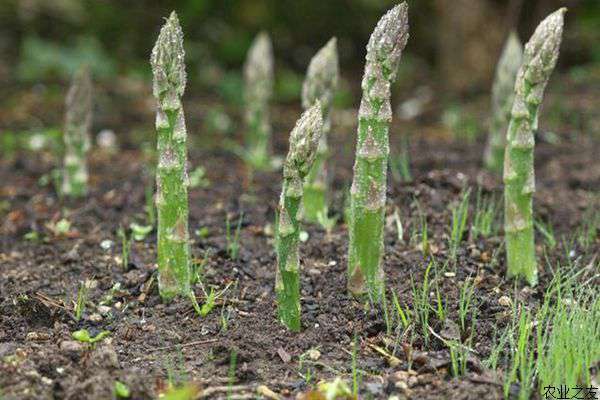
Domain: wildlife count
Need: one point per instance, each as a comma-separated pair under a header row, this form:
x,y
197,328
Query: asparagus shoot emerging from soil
x,y
541,53
78,120
258,89
502,100
304,141
168,67
368,192
320,84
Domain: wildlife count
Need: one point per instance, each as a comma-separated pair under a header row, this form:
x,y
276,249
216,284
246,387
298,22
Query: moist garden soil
x,y
239,349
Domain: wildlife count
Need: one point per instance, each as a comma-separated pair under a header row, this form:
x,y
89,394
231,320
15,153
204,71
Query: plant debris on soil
x,y
240,349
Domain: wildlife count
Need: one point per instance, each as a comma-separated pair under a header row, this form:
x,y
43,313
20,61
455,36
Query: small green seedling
x,y
459,223
233,240
231,374
400,164
125,247
33,236
459,355
546,230
209,304
82,296
202,232
484,218
211,299
121,390
462,125
139,232
60,228
186,392
419,234
225,317
402,316
335,390
441,308
198,178
465,303
326,222
83,335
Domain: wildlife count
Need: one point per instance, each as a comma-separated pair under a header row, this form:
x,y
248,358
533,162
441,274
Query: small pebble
x,y
505,301
303,236
106,138
106,244
95,317
71,346
37,336
412,381
314,354
103,310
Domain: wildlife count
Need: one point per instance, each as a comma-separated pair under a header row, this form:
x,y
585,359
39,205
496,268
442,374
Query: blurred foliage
x,y
462,124
49,139
288,86
113,35
41,59
589,28
48,39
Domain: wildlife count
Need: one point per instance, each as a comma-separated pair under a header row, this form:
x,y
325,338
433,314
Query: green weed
x,y
233,239
460,214
485,216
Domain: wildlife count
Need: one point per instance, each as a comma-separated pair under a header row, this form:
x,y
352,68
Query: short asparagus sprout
x,y
368,192
320,84
78,120
168,67
258,90
502,101
541,53
304,141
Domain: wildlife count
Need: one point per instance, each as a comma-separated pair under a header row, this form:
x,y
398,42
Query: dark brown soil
x,y
150,341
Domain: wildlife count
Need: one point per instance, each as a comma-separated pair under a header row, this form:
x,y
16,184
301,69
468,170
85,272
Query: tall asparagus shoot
x,y
168,67
319,85
258,90
368,191
78,120
502,100
304,141
541,53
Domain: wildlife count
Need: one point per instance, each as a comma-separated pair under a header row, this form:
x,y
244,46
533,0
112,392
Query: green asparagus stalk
x,y
304,141
168,67
258,90
368,191
78,120
319,85
541,53
502,101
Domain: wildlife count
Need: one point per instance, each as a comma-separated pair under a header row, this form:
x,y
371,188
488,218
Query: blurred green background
x,y
452,51
45,39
